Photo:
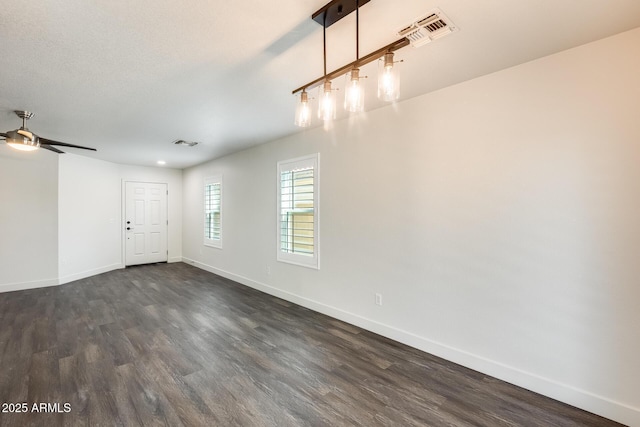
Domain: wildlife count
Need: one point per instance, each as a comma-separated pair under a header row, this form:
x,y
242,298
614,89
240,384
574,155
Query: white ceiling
x,y
130,77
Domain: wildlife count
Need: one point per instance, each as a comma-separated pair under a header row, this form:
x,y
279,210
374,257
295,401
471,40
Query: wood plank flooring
x,y
170,344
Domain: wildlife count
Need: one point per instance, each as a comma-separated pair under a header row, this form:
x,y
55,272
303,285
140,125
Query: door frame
x,y
123,223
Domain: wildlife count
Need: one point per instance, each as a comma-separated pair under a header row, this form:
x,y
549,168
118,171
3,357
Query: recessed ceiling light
x,y
162,162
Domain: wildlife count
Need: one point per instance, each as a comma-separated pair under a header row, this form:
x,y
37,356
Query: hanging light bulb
x,y
354,93
326,103
303,110
388,79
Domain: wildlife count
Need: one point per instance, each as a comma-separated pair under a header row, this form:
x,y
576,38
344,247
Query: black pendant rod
x,y
324,42
357,30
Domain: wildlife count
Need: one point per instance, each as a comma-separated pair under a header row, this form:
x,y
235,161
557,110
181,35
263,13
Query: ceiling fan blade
x,y
50,148
3,135
46,141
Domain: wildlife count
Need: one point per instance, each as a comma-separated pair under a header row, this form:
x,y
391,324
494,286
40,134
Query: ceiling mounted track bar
x,y
335,10
391,47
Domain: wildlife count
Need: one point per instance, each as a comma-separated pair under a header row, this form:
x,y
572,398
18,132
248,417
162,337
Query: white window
x,y
298,211
213,211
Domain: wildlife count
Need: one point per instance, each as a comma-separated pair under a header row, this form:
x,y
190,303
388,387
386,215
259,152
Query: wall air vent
x,y
187,143
428,28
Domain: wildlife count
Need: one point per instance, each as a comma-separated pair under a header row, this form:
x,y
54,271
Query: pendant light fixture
x,y
424,29
303,111
354,92
326,97
326,102
388,79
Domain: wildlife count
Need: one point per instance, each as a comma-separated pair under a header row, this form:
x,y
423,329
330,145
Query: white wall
x,y
28,219
90,220
91,206
497,217
61,216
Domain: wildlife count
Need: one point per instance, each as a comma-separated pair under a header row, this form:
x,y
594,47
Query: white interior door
x,y
145,217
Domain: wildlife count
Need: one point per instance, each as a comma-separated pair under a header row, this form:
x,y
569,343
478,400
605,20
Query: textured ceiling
x,y
130,77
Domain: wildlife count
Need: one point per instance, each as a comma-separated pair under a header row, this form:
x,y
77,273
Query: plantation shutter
x,y
212,212
298,211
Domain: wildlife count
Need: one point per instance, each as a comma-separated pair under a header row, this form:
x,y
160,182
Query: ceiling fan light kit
x,y
421,31
22,144
24,140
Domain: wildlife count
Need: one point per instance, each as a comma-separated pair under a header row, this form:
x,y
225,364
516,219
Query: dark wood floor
x,y
170,344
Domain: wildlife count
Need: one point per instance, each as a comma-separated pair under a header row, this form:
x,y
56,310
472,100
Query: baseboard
x,y
175,259
89,273
582,399
10,287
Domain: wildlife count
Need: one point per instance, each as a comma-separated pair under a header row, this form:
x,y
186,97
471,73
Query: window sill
x,y
314,264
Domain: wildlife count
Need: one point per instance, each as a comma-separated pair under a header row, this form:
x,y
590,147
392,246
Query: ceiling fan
x,y
25,140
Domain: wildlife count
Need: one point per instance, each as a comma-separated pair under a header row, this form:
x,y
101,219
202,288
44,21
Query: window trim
x,y
294,258
213,179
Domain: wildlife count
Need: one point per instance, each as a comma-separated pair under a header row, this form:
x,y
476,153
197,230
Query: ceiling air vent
x,y
187,143
427,28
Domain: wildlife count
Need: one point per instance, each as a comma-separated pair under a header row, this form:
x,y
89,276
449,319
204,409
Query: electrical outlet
x,y
268,270
378,299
